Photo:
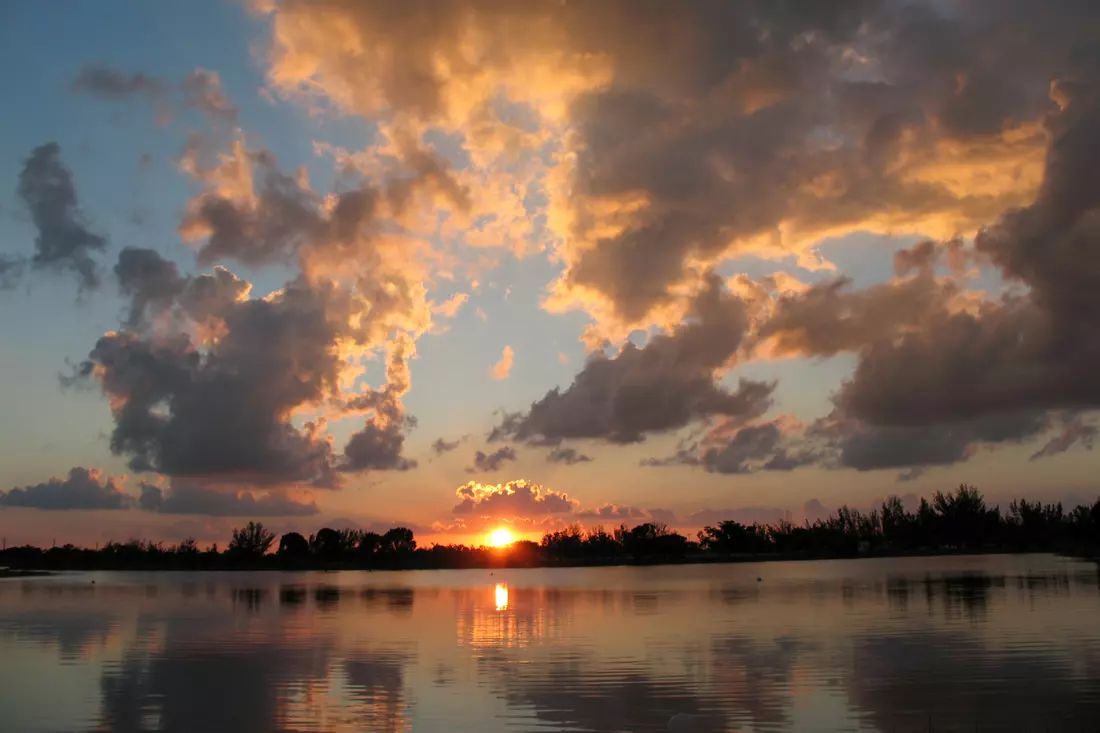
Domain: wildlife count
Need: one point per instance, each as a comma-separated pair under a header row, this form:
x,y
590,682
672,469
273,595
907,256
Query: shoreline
x,y
706,559
16,573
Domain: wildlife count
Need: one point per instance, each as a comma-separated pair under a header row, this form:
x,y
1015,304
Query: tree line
x,y
958,521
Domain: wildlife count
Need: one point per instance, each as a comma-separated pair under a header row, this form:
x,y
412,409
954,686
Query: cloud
x,y
189,405
829,318
731,449
568,456
612,512
441,446
512,499
491,462
503,368
1074,432
85,488
1020,355
187,497
662,386
63,241
201,89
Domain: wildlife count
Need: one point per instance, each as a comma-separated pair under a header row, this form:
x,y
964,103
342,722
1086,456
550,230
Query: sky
x,y
474,264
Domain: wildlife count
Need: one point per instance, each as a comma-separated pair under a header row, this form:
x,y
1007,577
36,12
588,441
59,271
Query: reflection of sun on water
x,y
502,597
501,537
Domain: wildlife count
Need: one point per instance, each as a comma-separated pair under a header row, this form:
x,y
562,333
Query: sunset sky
x,y
472,264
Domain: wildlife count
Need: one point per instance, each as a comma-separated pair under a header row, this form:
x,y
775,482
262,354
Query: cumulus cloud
x,y
714,145
568,456
503,368
84,488
491,462
662,386
215,396
63,241
512,499
1020,356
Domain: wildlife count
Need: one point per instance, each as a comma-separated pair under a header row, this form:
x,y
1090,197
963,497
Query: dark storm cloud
x,y
491,462
664,385
185,497
568,456
63,241
84,488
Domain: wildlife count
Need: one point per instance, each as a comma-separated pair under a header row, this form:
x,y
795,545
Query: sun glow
x,y
501,537
501,593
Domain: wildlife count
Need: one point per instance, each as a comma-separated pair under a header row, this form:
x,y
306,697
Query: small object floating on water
x,y
759,579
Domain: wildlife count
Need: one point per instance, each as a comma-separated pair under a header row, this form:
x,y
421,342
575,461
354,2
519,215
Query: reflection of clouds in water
x,y
829,647
572,690
376,681
217,688
754,675
901,682
76,634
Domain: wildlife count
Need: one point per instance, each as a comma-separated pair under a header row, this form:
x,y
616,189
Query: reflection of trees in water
x,y
251,598
967,593
398,601
900,681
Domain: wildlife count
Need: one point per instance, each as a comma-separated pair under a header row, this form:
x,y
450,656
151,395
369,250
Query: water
x,y
961,643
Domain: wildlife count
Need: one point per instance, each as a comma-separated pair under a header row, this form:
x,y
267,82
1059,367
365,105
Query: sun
x,y
501,537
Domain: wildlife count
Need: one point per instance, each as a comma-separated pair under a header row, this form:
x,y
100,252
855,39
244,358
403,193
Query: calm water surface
x,y
961,643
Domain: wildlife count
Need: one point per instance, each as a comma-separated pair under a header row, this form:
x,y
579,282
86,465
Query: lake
x,y
995,642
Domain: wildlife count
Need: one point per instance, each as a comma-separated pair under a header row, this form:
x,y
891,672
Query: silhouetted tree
x,y
731,537
369,546
567,542
251,542
398,539
960,519
293,547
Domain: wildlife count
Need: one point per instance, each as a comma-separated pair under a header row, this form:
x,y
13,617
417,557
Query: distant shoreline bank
x,y
15,573
703,559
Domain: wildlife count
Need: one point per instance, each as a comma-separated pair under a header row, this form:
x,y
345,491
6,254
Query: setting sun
x,y
501,537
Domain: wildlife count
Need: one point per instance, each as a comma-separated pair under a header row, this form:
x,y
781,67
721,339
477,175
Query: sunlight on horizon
x,y
501,537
